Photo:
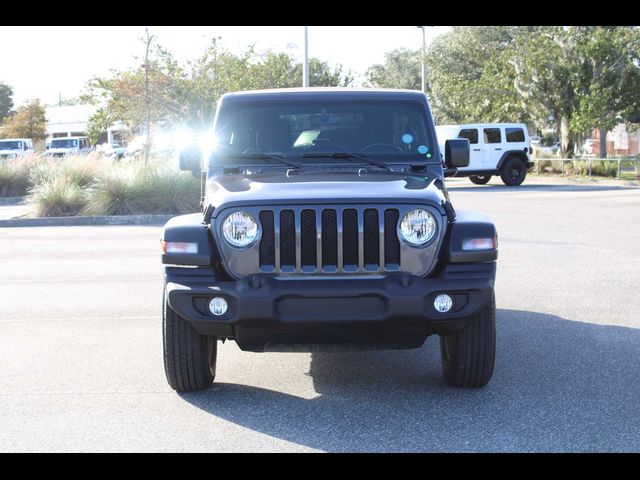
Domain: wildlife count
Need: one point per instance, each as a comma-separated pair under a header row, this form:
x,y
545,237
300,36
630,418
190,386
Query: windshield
x,y
306,130
14,145
64,143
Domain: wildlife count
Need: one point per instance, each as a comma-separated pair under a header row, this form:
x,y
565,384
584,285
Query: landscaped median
x,y
100,191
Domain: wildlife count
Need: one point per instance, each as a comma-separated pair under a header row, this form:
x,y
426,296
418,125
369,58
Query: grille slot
x,y
308,239
287,240
371,239
350,239
329,240
267,243
391,241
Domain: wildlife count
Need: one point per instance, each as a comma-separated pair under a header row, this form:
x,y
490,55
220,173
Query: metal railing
x,y
623,164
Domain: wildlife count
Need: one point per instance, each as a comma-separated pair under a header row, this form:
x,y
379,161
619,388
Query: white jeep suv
x,y
15,147
496,149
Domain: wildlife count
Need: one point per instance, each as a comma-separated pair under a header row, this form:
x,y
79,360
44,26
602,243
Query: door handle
x,y
476,149
498,149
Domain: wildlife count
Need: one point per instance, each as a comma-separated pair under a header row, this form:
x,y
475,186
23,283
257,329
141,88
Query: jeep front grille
x,y
329,240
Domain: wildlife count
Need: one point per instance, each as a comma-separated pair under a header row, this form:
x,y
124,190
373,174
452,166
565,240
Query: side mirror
x,y
456,153
191,159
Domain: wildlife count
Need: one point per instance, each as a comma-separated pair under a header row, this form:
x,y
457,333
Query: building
x,y
620,141
73,121
68,121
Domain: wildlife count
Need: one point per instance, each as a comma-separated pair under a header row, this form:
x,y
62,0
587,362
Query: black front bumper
x,y
275,314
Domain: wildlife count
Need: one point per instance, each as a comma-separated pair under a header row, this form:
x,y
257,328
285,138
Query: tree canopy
x,y
27,122
579,77
186,93
6,100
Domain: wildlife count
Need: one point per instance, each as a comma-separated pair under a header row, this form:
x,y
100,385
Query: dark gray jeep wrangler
x,y
327,226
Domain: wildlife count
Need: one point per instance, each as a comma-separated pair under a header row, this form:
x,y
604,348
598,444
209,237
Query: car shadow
x,y
537,188
558,385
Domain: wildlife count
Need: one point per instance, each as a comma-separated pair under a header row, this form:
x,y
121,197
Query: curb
x,y
11,200
101,220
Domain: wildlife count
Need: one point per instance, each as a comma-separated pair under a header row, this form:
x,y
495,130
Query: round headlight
x,y
240,229
417,227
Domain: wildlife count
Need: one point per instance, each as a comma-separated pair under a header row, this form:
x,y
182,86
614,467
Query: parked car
x,y
114,150
63,146
15,147
327,226
552,149
496,149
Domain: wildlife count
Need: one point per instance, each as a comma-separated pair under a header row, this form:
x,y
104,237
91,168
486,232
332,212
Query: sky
x,y
60,60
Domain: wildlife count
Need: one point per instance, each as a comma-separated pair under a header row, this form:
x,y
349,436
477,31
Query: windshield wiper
x,y
265,156
347,155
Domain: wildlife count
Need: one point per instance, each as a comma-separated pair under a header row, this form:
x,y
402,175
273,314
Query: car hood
x,y
322,187
62,150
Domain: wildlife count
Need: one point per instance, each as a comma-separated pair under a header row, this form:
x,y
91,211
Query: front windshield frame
x,y
421,147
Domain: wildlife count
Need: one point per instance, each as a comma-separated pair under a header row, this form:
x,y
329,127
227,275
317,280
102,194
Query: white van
x,y
63,146
15,147
495,149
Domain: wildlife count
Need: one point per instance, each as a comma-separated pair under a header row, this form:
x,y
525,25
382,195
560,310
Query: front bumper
x,y
276,314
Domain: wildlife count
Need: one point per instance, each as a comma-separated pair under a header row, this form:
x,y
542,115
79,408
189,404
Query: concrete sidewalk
x,y
13,208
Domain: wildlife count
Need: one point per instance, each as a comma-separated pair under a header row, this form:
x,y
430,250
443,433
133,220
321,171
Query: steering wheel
x,y
388,146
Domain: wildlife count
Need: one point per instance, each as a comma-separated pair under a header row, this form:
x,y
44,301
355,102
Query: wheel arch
x,y
516,153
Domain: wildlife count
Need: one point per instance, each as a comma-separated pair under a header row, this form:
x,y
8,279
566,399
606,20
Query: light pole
x,y
424,48
305,63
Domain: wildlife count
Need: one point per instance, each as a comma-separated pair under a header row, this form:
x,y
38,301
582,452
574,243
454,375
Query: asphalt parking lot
x,y
81,355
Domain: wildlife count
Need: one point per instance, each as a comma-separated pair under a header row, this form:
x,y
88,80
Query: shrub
x,y
136,190
119,191
14,178
57,196
81,170
600,168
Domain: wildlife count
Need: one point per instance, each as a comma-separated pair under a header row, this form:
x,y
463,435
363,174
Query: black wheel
x,y
513,171
189,358
480,180
468,355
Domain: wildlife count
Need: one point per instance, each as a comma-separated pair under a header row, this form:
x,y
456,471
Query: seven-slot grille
x,y
329,240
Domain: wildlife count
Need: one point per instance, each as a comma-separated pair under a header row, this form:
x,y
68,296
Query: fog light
x,y
218,306
443,303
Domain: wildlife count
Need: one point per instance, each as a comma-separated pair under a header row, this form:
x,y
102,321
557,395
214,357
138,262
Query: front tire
x,y
480,179
513,171
468,355
189,358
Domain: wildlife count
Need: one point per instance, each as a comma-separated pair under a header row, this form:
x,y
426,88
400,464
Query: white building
x,y
72,121
68,121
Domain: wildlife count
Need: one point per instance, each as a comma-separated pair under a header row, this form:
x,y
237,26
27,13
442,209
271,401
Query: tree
x,y
469,78
98,123
6,102
584,76
27,122
611,78
401,69
166,92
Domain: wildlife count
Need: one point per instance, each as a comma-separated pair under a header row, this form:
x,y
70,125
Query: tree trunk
x,y
566,139
603,143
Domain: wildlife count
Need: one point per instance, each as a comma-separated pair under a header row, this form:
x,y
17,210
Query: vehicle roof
x,y
15,139
483,125
325,93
